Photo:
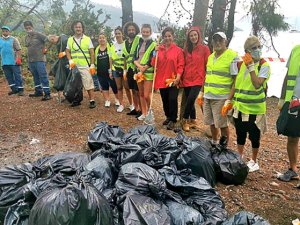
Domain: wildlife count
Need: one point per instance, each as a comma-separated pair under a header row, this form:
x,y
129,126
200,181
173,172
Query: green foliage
x,y
180,35
265,17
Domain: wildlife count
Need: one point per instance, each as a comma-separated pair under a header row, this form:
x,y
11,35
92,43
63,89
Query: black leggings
x,y
242,128
169,97
191,94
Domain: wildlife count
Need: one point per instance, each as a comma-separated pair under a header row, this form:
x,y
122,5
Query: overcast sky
x,y
157,7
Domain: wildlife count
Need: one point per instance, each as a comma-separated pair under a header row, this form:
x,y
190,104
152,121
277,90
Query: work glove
x,y
247,58
18,61
61,55
200,99
280,104
139,77
71,64
294,106
172,82
92,69
226,107
125,74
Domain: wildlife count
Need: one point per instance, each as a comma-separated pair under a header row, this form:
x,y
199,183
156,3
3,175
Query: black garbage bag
x,y
18,214
73,87
184,214
187,185
103,134
141,210
76,202
13,183
67,162
246,218
158,150
143,129
61,72
144,180
102,172
196,156
230,168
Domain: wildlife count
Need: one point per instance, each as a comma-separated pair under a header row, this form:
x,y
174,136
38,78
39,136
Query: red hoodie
x,y
170,61
195,63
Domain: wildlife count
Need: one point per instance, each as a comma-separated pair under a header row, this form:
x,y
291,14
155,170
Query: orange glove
x,y
247,58
61,55
200,99
139,77
71,64
170,81
92,70
226,107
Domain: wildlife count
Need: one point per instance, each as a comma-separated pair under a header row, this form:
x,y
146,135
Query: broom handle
x,y
154,73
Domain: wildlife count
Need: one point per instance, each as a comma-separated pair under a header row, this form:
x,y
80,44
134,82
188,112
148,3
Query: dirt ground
x,y
60,128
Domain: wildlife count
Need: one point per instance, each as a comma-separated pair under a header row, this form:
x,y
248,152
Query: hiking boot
x,y
21,93
253,166
185,125
171,125
288,176
92,104
132,113
12,92
46,98
166,122
35,94
193,124
223,141
74,104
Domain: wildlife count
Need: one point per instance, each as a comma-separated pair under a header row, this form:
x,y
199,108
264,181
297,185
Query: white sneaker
x,y
141,117
120,108
107,103
131,107
117,103
253,166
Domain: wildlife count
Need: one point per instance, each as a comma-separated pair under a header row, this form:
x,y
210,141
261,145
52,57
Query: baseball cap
x,y
5,28
221,34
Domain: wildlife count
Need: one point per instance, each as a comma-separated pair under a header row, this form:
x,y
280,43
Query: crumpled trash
x,y
34,141
246,218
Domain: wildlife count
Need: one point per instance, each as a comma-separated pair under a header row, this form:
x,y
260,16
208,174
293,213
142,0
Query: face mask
x,y
256,54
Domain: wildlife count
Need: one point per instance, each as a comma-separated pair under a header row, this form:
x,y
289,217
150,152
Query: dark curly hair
x,y
74,23
128,24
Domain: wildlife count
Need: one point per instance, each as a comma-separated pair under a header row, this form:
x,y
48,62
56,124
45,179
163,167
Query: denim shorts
x,y
117,73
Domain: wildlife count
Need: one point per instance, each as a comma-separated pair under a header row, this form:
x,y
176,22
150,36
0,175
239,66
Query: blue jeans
x,y
13,77
40,77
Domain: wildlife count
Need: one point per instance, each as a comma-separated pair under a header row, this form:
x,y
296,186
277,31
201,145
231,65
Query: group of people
x,y
226,87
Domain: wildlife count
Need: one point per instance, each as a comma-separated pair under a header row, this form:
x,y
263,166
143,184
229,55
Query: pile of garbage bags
x,y
136,178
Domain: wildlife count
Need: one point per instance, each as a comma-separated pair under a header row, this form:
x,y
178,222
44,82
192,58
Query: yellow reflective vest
x,y
117,61
76,53
146,58
108,49
293,72
218,80
129,55
247,99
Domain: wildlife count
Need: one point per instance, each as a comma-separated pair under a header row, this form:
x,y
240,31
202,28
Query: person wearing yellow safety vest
x,y
80,53
221,70
117,67
104,73
249,99
144,70
289,104
131,30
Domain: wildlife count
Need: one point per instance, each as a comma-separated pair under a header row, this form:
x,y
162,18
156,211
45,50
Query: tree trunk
x,y
27,14
218,18
127,14
230,28
200,14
